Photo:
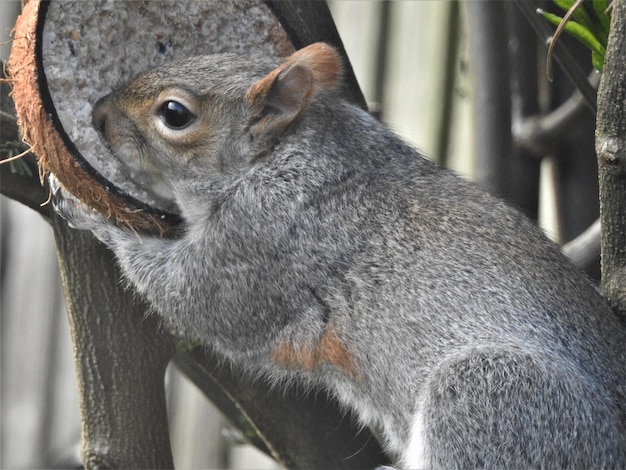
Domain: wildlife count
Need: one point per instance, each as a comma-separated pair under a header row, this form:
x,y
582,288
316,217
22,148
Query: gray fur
x,y
465,322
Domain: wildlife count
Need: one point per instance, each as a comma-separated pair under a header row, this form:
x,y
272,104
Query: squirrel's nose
x,y
100,115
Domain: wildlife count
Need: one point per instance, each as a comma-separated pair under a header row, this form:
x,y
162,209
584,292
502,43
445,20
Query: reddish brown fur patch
x,y
322,61
330,349
289,355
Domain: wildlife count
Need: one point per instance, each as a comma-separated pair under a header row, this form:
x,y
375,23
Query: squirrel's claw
x,y
77,214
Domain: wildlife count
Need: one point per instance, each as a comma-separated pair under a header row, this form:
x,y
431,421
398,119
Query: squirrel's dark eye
x,y
175,115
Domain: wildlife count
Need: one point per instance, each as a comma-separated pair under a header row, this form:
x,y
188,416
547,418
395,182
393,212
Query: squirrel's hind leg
x,y
500,407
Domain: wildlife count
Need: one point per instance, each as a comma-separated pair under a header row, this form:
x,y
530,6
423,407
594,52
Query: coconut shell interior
x,y
68,54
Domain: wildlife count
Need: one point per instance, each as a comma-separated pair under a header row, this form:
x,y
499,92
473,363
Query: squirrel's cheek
x,y
128,153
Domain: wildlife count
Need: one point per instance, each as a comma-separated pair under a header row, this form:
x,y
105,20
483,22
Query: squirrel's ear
x,y
279,98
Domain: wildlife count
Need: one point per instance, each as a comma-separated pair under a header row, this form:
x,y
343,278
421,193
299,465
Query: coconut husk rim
x,y
55,152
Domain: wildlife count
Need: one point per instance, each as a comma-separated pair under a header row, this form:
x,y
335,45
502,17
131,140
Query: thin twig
x,y
555,37
16,157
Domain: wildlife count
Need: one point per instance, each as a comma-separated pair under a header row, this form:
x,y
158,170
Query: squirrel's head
x,y
208,115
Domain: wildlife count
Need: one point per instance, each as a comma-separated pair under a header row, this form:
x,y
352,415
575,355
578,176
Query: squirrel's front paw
x,y
77,214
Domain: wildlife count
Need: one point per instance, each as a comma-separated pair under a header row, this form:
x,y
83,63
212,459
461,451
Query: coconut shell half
x,y
68,54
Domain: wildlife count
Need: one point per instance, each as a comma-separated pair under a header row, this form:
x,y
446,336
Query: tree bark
x,y
120,355
611,151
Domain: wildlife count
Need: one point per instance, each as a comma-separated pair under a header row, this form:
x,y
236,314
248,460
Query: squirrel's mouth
x,y
142,173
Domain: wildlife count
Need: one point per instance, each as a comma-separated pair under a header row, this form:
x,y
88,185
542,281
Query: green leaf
x,y
565,5
580,15
552,18
579,32
597,61
601,7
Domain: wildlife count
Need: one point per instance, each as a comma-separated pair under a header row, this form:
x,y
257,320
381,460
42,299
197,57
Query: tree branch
x,y
120,355
611,151
299,429
537,132
584,250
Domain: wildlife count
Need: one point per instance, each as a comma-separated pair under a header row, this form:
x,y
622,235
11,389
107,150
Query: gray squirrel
x,y
319,248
